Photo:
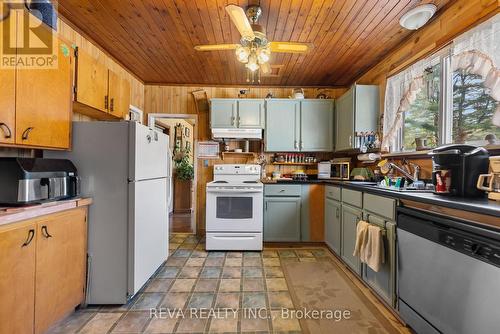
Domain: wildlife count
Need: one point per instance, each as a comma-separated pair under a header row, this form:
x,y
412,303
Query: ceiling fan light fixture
x,y
417,17
242,53
252,64
264,54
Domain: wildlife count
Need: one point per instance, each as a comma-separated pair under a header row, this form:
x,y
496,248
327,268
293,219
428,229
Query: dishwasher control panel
x,y
470,246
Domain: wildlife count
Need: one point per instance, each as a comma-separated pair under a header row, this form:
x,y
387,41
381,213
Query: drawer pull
x,y
8,133
26,133
31,235
45,232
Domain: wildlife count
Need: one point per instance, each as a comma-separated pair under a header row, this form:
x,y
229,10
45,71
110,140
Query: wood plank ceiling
x,y
154,39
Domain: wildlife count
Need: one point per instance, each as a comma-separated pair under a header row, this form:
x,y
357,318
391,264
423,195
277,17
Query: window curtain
x,y
401,91
478,52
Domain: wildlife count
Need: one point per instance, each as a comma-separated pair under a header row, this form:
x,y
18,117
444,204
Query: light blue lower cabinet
x,y
350,218
333,211
282,219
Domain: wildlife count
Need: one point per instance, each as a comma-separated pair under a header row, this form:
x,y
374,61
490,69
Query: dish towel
x,y
374,248
361,239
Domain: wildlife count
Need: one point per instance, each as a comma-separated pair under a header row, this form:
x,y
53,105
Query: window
x,y
473,110
450,97
421,120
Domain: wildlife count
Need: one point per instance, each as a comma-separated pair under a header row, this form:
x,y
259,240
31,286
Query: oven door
x,y
234,210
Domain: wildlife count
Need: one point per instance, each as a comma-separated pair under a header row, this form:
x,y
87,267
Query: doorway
x,y
182,131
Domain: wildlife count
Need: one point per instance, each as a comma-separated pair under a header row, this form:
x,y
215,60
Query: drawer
x,y
282,190
382,206
234,241
352,197
333,192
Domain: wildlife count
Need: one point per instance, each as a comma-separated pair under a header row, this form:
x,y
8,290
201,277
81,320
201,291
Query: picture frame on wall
x,y
187,132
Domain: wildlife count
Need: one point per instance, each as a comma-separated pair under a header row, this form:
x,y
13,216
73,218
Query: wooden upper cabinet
x,y
7,89
119,95
60,266
17,278
91,82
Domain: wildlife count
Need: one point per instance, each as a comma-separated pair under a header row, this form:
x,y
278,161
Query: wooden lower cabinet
x,y
17,278
60,257
42,270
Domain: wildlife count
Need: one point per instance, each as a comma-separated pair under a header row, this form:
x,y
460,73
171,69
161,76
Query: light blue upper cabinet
x,y
299,125
223,113
282,125
316,126
251,114
356,111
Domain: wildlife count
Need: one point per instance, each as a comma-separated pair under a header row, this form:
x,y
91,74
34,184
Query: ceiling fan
x,y
254,49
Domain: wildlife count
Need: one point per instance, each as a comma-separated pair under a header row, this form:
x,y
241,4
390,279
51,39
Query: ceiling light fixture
x,y
417,17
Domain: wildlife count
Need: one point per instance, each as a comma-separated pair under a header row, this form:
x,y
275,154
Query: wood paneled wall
x,y
178,100
71,35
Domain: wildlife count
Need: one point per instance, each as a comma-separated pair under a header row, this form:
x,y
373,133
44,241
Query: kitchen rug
x,y
323,286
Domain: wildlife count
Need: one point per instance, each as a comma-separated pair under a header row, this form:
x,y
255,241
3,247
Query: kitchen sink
x,y
403,190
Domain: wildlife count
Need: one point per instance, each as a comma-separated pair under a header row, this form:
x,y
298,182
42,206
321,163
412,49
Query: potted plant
x,y
184,174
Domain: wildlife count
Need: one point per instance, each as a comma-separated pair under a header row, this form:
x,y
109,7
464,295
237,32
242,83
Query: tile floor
x,y
193,279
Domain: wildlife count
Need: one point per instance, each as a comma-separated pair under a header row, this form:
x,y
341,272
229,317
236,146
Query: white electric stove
x,y
234,208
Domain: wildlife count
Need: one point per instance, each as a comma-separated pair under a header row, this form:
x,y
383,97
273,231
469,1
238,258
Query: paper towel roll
x,y
369,157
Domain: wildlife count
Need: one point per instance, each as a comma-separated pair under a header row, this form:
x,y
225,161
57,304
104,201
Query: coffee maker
x,y
456,169
492,180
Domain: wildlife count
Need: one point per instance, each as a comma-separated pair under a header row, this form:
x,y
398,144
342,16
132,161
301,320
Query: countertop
x,y
16,214
479,205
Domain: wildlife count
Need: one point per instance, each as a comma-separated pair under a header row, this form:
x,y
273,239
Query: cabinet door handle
x,y
266,206
106,102
31,235
112,104
295,145
26,133
350,141
232,120
6,129
45,232
301,145
337,213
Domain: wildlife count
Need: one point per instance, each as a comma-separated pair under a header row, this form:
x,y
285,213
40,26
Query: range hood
x,y
251,134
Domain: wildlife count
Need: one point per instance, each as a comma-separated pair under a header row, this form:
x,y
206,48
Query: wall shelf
x,y
294,163
247,155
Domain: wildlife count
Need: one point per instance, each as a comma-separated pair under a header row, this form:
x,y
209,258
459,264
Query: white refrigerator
x,y
125,168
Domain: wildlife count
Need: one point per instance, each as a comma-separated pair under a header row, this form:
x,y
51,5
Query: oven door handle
x,y
234,191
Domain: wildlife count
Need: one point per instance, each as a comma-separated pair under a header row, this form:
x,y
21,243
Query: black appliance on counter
x,y
26,181
456,169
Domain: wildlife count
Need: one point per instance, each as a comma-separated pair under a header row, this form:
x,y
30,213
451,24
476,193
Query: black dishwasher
x,y
448,275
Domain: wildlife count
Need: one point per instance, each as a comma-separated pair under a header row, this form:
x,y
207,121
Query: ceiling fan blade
x,y
240,20
265,68
216,47
291,47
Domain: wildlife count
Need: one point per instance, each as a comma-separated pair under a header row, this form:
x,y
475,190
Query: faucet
x,y
416,170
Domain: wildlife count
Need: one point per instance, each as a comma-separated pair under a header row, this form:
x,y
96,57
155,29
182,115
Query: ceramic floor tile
x,y
276,284
158,285
233,262
251,324
187,246
206,285
210,272
274,272
161,326
253,272
174,300
168,272
175,261
231,272
280,300
254,300
214,262
147,301
253,284
193,325
287,253
234,254
251,254
132,322
271,262
228,300
252,262
199,253
230,285
72,323
201,300
216,254
183,285
189,272
281,324
269,253
101,323
181,253
195,262
224,325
